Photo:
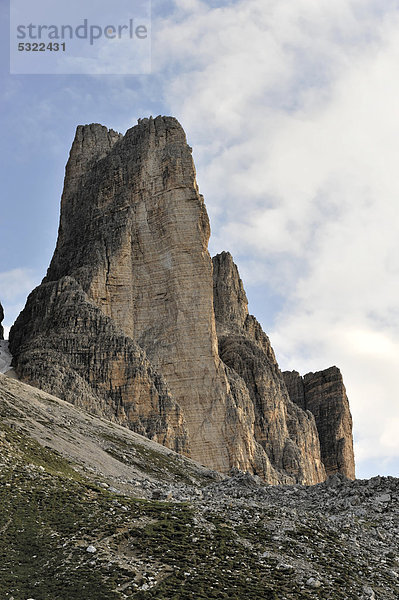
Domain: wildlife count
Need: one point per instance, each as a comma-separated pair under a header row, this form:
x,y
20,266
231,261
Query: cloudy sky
x,y
292,108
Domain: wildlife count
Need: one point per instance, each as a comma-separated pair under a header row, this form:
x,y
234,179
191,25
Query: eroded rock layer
x,y
64,344
323,393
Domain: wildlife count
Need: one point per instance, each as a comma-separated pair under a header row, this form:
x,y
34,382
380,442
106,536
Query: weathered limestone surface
x,y
1,319
287,434
124,322
295,387
64,344
324,394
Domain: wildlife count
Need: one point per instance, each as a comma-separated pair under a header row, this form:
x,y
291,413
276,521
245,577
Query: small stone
x,y
369,593
102,484
157,494
91,549
383,498
285,567
313,583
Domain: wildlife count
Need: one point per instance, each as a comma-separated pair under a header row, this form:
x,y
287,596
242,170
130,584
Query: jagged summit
x,y
136,322
230,300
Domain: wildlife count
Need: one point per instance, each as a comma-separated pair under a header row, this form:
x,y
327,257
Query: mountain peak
x,y
135,322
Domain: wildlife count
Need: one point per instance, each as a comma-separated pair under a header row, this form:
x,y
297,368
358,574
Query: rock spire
x,y
134,320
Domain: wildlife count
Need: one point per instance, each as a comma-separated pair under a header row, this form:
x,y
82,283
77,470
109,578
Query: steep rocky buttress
x,y
323,393
135,322
287,434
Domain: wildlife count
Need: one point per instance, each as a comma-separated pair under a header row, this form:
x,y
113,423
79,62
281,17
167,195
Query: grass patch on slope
x,y
50,514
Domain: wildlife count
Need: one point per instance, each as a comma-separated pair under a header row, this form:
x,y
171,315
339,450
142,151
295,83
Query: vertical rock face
x,y
93,341
230,300
295,387
1,320
287,434
133,321
323,393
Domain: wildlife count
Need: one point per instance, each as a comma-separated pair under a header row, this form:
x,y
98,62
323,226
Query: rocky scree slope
x,y
93,510
134,322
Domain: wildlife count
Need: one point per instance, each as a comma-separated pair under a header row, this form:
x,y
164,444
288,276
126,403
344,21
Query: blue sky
x,y
291,109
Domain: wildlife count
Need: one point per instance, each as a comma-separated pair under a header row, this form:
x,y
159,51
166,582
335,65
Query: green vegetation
x,y
154,462
50,514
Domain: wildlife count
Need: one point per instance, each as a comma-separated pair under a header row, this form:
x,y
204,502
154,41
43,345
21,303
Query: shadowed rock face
x,y
124,322
323,393
64,344
1,319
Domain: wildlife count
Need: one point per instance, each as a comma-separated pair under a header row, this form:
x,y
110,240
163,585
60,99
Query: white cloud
x,y
16,282
15,285
292,112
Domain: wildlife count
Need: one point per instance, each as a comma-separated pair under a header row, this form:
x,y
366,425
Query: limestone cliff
x,y
124,322
133,234
324,394
133,238
287,434
1,320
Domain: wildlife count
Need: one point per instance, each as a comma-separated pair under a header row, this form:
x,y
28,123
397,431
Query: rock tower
x,y
136,322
